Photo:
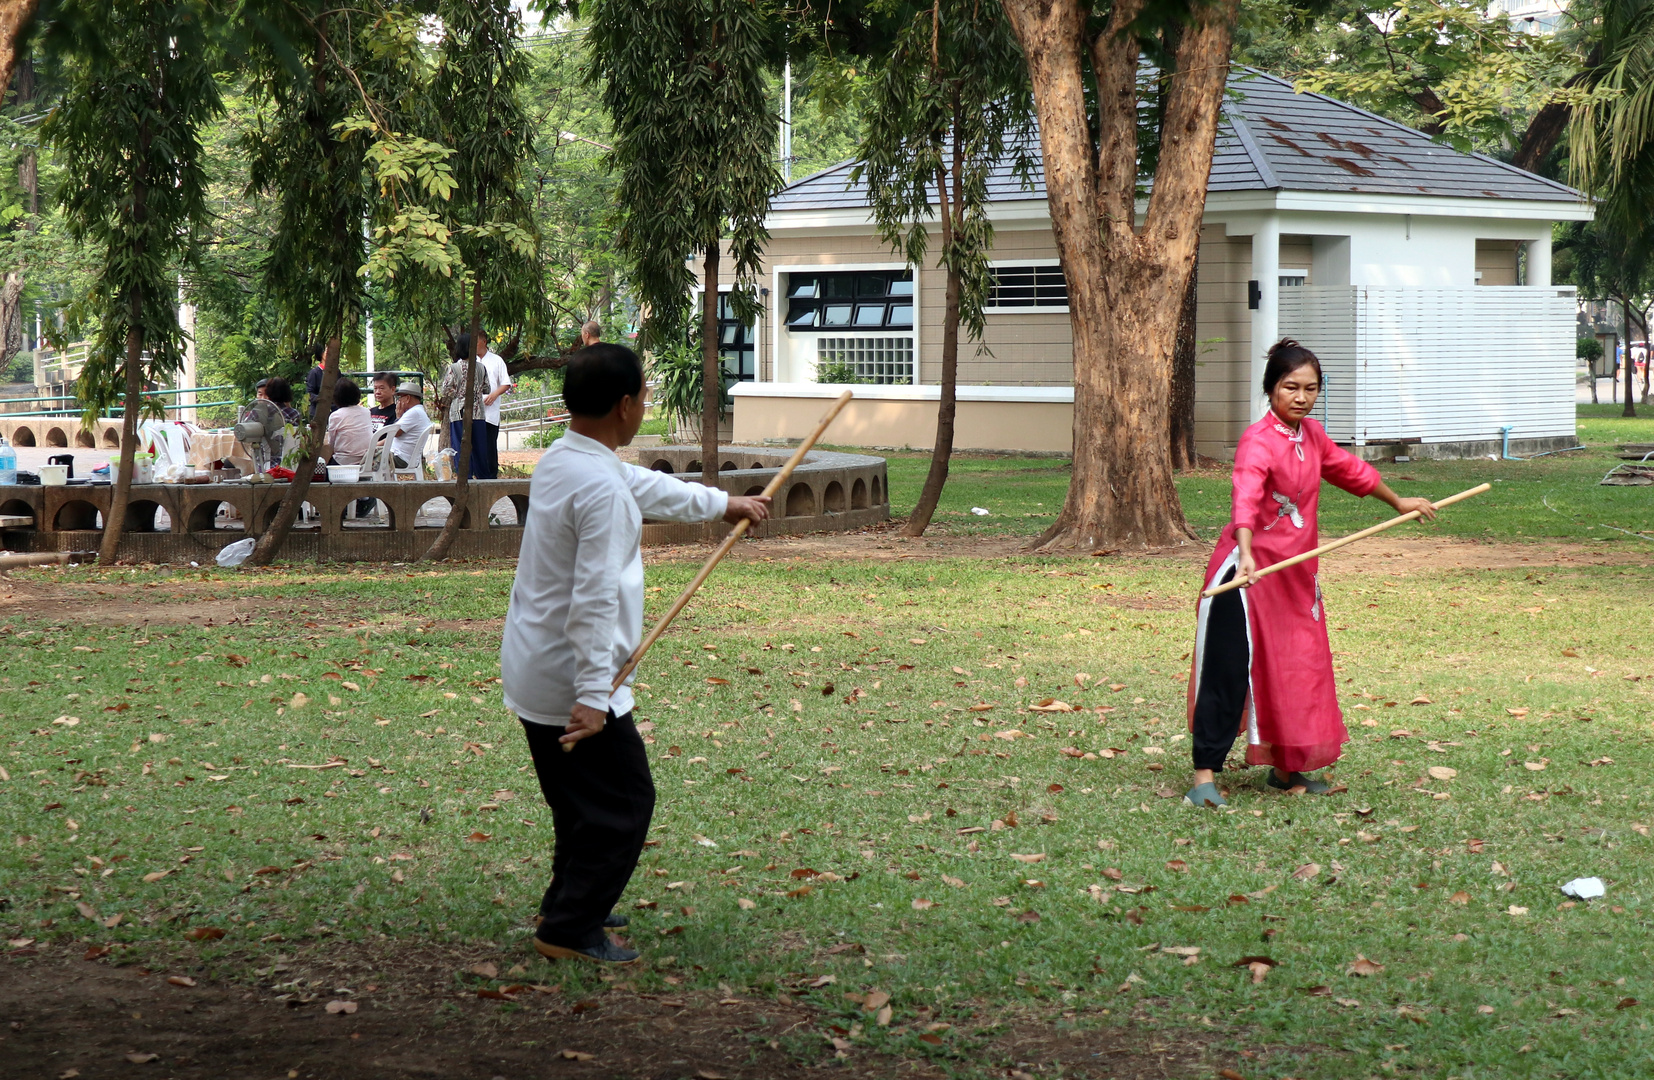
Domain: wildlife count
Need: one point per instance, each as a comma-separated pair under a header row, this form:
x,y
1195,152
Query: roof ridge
x,y
1243,134
1412,131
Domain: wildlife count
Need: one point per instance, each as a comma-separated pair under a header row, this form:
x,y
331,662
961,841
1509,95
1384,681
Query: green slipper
x,y
1310,784
1204,795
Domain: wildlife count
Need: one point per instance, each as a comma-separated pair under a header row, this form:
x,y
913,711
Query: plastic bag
x,y
235,554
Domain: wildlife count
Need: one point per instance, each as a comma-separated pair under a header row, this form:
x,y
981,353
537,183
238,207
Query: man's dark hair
x,y
345,393
383,377
278,391
598,376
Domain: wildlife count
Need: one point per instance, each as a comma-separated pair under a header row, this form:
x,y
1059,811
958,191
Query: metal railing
x,y
544,411
117,410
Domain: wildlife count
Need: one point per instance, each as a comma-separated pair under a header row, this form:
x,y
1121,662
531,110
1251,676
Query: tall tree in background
x,y
19,220
480,69
949,102
1611,140
337,87
1125,283
1609,261
683,81
140,87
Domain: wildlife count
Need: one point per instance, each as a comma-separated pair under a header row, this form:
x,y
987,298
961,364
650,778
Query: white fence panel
x,y
1442,365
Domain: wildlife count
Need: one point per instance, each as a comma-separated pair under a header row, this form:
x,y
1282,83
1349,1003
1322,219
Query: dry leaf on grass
x,y
921,904
485,970
875,1001
180,980
1363,966
1040,857
957,883
744,904
1536,766
1442,772
1460,897
204,933
1306,871
142,1059
577,1055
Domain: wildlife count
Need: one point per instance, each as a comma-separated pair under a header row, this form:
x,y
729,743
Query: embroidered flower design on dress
x,y
1286,509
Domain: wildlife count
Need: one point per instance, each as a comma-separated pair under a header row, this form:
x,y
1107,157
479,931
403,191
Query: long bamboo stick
x,y
723,549
1239,582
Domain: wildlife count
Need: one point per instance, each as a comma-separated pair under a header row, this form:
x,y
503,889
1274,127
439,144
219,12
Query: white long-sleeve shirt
x,y
576,609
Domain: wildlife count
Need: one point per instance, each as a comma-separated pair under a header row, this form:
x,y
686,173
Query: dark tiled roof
x,y
1273,138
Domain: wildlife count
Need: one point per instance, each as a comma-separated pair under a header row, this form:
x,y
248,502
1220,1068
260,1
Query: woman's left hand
x,y
1423,506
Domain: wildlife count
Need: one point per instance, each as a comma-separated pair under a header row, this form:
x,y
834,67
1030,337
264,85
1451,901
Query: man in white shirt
x,y
576,616
499,384
409,427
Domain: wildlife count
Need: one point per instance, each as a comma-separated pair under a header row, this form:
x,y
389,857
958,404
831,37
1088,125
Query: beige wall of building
x,y
1025,348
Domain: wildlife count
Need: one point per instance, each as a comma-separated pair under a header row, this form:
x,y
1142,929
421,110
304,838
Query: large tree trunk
x,y
292,501
121,493
711,380
1125,286
15,16
462,484
1181,407
948,406
1630,368
11,286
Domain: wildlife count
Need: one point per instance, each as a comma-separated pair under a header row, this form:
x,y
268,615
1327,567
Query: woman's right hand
x,y
1247,569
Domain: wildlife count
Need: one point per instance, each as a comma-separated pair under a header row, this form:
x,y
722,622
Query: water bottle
x,y
8,462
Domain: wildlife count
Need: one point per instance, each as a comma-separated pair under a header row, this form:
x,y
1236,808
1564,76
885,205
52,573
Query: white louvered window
x,y
884,360
1032,286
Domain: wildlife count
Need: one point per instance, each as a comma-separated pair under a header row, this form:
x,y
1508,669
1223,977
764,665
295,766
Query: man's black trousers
x,y
491,453
601,798
1220,700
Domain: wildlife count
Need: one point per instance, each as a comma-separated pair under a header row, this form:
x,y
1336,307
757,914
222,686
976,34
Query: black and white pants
x,y
602,799
1224,678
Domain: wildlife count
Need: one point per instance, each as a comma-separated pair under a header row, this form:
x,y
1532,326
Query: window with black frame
x,y
737,344
850,301
1029,286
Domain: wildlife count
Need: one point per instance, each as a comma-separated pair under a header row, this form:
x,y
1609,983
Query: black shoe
x,y
612,921
606,953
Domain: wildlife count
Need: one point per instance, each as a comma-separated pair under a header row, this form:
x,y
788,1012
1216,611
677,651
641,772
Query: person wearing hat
x,y
410,425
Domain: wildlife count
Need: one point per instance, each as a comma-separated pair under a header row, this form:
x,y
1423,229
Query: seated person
x,y
279,393
383,409
409,427
349,427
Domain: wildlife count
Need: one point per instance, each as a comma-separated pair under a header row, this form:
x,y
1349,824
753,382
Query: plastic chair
x,y
384,460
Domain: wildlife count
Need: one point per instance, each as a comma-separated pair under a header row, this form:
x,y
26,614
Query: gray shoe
x,y
1204,795
1310,784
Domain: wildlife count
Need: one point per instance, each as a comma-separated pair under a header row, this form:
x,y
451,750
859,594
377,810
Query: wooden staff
x,y
723,549
1239,582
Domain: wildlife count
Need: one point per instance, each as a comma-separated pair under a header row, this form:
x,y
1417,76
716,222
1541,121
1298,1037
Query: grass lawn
x,y
1556,497
853,784
860,794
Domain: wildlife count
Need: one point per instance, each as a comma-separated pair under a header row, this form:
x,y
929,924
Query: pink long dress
x,y
1291,717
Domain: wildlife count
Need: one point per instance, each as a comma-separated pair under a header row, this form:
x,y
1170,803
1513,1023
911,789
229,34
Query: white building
x,y
1419,274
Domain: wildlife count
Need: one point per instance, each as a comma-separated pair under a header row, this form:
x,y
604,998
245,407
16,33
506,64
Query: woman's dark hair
x,y
1285,357
317,352
278,391
345,393
462,347
598,376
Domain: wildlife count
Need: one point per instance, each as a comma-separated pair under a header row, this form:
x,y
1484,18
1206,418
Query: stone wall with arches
x,y
65,432
393,522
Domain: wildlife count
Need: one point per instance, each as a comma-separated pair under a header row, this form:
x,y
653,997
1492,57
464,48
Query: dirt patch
x,y
113,605
418,1014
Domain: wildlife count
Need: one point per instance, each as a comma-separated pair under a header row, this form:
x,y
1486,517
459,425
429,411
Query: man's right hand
x,y
753,508
584,722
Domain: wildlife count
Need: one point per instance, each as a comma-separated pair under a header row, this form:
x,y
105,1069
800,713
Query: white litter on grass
x,y
979,511
1585,888
235,554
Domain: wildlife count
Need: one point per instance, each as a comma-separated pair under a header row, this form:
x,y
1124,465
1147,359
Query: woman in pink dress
x,y
1262,661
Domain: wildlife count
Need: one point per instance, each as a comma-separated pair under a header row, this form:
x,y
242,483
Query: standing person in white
x,y
499,384
576,616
